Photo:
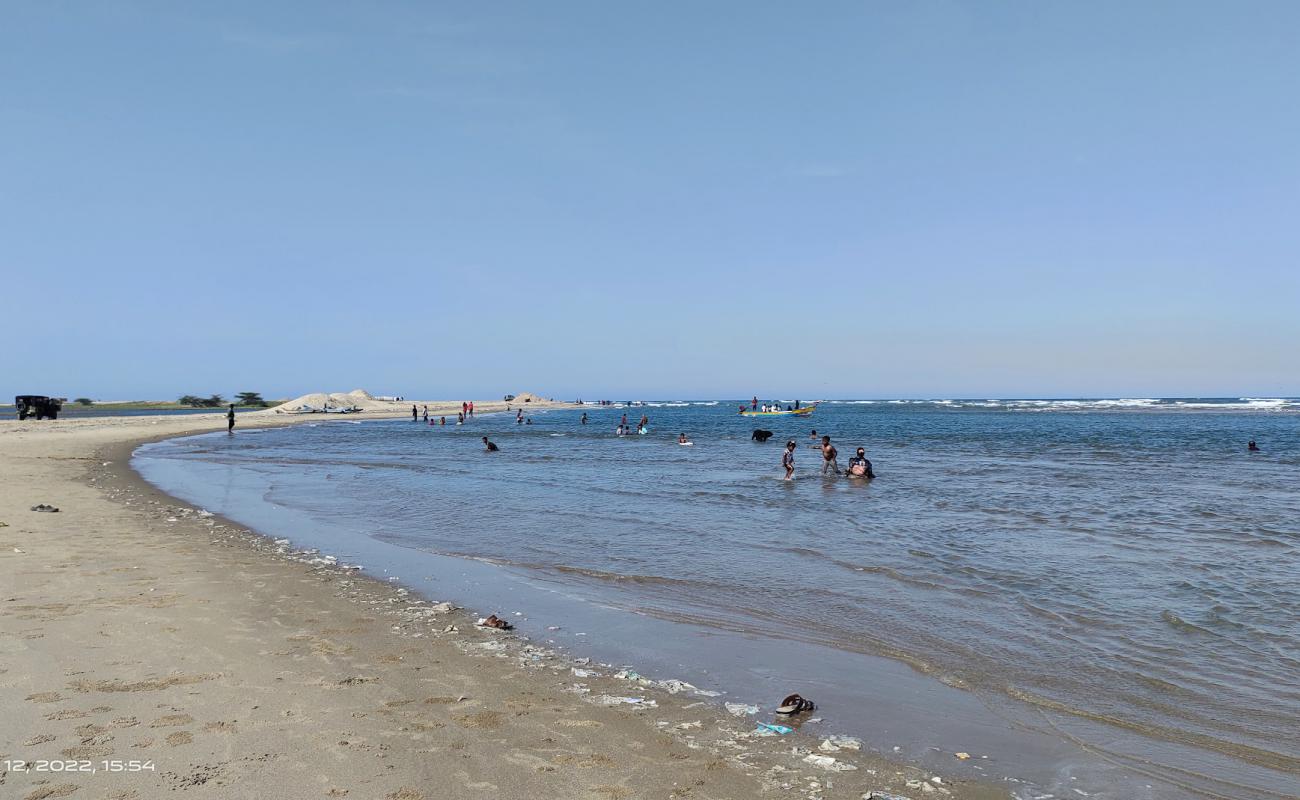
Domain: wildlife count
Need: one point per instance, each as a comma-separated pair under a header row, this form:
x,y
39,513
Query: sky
x,y
670,199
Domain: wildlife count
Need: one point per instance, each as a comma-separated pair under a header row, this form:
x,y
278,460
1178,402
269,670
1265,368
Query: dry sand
x,y
135,628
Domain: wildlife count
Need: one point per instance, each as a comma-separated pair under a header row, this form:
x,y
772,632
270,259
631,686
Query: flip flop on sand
x,y
495,622
794,704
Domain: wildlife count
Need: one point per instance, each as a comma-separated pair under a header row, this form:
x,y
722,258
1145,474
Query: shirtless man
x,y
490,446
829,456
787,460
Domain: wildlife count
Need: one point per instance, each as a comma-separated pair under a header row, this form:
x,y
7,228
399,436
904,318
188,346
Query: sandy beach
x,y
203,657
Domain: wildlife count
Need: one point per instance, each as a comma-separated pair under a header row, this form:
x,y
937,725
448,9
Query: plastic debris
x,y
883,796
611,700
740,709
45,508
585,673
962,756
764,729
833,744
826,762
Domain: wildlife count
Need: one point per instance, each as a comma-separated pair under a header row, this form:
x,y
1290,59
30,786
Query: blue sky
x,y
671,199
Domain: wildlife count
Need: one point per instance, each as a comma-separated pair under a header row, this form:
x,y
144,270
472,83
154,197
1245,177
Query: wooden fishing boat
x,y
794,412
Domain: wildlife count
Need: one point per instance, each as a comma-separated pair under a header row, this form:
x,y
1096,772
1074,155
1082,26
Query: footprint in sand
x,y
45,792
172,721
45,697
179,738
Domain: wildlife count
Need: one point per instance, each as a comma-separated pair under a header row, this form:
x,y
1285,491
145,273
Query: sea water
x,y
1094,593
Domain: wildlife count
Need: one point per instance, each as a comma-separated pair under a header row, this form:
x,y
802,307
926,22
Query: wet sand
x,y
135,628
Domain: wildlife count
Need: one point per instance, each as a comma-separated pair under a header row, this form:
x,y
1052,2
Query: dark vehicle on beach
x,y
39,406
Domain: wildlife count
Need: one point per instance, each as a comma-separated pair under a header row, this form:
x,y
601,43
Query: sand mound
x,y
355,400
528,397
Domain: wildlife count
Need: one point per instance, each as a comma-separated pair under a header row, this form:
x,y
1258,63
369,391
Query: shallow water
x,y
1119,574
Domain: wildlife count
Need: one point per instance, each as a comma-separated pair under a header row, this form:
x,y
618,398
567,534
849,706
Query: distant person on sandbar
x,y
830,456
860,466
787,460
491,446
230,420
1250,448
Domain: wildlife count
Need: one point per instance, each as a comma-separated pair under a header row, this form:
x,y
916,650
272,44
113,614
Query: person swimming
x,y
1251,447
490,446
860,466
681,439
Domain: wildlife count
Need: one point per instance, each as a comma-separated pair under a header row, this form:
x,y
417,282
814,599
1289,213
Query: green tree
x,y
215,401
84,401
192,401
251,399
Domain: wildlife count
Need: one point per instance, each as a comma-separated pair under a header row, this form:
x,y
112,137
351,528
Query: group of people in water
x,y
859,465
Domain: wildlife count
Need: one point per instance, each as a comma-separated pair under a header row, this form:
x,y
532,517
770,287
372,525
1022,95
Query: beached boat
x,y
794,412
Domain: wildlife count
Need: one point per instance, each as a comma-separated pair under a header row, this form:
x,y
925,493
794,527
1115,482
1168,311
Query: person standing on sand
x,y
230,419
787,460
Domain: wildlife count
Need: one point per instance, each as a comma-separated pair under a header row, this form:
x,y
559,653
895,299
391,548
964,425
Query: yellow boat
x,y
794,412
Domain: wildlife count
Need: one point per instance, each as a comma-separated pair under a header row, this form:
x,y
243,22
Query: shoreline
x,y
359,707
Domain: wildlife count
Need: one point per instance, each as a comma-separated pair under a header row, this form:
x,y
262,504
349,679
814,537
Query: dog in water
x,y
760,435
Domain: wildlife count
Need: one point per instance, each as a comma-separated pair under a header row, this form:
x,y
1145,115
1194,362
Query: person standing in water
x,y
230,420
787,460
415,415
490,446
830,456
471,408
1251,447
753,404
584,418
426,413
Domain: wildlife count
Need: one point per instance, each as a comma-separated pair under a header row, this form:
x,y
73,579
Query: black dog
x,y
760,435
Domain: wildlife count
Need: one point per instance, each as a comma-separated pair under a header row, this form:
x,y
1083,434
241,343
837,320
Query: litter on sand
x,y
46,508
740,709
611,700
826,762
833,744
495,622
794,704
764,729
